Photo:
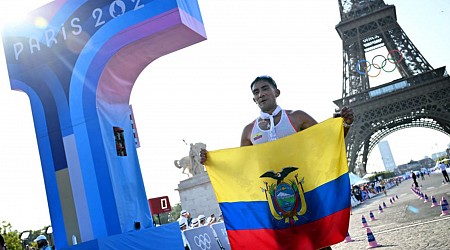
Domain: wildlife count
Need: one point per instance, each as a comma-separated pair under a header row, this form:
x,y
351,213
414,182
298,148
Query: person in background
x,y
189,219
211,219
194,223
202,220
42,243
443,168
183,227
2,243
183,217
414,177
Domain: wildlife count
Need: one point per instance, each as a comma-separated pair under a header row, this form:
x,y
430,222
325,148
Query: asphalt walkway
x,y
407,223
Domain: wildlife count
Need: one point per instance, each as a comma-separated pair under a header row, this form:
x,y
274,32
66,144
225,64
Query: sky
x,y
202,93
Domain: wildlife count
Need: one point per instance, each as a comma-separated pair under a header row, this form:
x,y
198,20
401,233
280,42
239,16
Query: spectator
x,y
183,217
202,220
211,219
194,223
189,219
183,227
357,193
443,168
2,243
42,243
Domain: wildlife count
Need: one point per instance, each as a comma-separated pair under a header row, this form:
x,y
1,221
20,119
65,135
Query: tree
x,y
168,217
176,211
163,218
11,236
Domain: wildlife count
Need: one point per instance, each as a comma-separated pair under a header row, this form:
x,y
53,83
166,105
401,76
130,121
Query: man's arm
x,y
245,141
301,120
246,135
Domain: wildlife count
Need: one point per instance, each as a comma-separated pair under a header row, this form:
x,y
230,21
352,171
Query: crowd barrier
x,y
213,237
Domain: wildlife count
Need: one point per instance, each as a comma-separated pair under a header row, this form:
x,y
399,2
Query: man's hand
x,y
203,156
348,115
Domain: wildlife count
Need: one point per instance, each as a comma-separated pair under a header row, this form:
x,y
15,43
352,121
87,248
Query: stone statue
x,y
184,163
194,157
192,163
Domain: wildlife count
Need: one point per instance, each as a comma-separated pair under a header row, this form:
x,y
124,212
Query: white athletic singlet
x,y
282,129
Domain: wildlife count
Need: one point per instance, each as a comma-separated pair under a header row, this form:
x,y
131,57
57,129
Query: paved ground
x,y
409,223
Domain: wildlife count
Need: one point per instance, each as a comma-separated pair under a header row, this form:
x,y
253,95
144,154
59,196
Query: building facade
x,y
386,156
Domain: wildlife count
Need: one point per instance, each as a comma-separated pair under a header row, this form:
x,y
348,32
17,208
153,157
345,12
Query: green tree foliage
x,y
163,218
169,216
175,213
11,236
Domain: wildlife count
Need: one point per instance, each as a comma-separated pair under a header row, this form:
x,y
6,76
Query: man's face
x,y
265,95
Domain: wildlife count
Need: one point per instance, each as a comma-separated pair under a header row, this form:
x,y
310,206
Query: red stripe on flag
x,y
325,232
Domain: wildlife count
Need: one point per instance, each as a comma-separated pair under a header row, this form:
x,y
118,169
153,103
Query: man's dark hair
x,y
265,78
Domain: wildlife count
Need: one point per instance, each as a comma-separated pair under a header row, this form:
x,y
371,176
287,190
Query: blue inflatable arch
x,y
78,61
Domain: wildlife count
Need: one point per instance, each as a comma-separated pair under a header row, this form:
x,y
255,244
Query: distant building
x,y
438,155
386,156
416,165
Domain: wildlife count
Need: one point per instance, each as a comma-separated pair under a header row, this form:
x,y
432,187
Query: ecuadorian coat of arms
x,y
285,195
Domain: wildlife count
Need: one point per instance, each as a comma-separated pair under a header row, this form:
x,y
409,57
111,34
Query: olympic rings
x,y
203,241
394,57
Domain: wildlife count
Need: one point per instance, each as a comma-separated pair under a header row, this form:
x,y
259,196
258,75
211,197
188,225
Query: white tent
x,y
367,176
356,180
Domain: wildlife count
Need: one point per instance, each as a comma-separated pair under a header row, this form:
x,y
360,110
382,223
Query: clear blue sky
x,y
202,93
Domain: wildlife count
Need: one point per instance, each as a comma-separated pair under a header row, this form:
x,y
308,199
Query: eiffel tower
x,y
419,98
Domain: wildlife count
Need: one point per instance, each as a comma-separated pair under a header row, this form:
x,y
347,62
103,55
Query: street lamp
x,y
24,237
49,233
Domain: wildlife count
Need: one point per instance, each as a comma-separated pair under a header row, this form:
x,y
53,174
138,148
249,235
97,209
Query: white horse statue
x,y
192,162
184,163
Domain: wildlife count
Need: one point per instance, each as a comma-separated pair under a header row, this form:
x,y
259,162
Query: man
x,y
184,217
42,243
273,122
194,223
443,168
183,227
414,177
2,243
202,220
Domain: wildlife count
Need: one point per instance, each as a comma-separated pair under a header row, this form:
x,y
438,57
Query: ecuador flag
x,y
292,193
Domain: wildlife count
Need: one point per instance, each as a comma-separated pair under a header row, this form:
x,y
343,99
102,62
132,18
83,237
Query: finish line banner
x,y
292,193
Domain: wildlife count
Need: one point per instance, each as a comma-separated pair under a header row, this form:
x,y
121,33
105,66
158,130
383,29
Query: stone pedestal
x,y
197,196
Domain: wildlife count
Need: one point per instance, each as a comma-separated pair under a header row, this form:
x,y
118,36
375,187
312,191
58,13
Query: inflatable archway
x,y
77,61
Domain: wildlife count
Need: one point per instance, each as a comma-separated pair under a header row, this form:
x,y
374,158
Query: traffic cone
x,y
444,200
384,205
372,217
364,222
434,202
380,209
444,209
371,240
425,199
348,238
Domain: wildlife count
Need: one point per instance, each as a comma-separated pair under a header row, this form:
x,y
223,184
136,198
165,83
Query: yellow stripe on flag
x,y
318,152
